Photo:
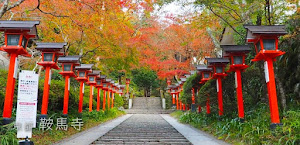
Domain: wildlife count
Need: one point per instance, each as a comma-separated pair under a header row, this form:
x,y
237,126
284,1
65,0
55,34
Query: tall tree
x,y
146,79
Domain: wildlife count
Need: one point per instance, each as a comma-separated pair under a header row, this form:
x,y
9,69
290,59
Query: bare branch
x,y
3,9
48,13
38,7
82,2
225,21
232,10
15,5
12,15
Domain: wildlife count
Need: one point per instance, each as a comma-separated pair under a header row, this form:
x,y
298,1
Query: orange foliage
x,y
111,34
169,51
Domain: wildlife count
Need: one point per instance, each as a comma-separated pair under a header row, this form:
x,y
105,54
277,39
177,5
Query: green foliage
x,y
237,38
255,130
3,76
90,119
253,92
288,70
191,82
168,98
56,93
145,78
207,90
118,102
8,135
101,115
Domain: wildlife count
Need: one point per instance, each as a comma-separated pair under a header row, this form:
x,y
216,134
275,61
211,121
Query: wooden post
x,y
8,102
220,95
108,99
272,92
112,100
239,94
91,98
81,92
98,99
46,93
177,98
104,100
66,95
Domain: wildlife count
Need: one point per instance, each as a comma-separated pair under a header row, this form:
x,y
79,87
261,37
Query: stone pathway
x,y
88,136
143,129
145,123
195,136
147,105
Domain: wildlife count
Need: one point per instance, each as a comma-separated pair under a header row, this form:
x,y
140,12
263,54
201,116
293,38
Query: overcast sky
x,y
176,9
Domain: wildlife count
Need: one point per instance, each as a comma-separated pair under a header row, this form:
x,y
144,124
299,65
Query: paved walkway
x,y
147,105
88,136
142,129
195,136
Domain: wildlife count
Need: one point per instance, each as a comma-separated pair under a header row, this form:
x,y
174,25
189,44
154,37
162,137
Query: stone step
x,y
141,143
143,129
147,112
109,137
142,140
144,135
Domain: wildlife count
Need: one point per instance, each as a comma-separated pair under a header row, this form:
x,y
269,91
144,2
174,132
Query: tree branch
x,y
78,1
4,8
38,7
225,21
15,5
231,10
48,13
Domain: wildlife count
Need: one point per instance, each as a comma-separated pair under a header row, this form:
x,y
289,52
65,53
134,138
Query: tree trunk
x,y
282,93
263,82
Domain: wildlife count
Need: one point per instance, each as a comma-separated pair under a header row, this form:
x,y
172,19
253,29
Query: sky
x,y
175,9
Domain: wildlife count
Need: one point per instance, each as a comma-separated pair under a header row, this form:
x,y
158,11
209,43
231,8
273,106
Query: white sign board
x,y
26,118
27,103
16,68
28,86
266,71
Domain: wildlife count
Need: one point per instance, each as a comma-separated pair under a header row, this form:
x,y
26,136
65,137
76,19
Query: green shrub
x,y
8,134
118,102
255,130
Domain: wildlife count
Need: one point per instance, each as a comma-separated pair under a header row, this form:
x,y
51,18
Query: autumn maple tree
x,y
117,35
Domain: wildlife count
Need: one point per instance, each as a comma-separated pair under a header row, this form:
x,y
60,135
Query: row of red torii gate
x,y
265,40
18,35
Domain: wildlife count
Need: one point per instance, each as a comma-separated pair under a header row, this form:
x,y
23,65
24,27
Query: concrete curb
x,y
194,135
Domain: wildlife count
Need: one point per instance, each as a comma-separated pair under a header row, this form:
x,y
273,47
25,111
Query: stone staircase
x,y
147,105
143,129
